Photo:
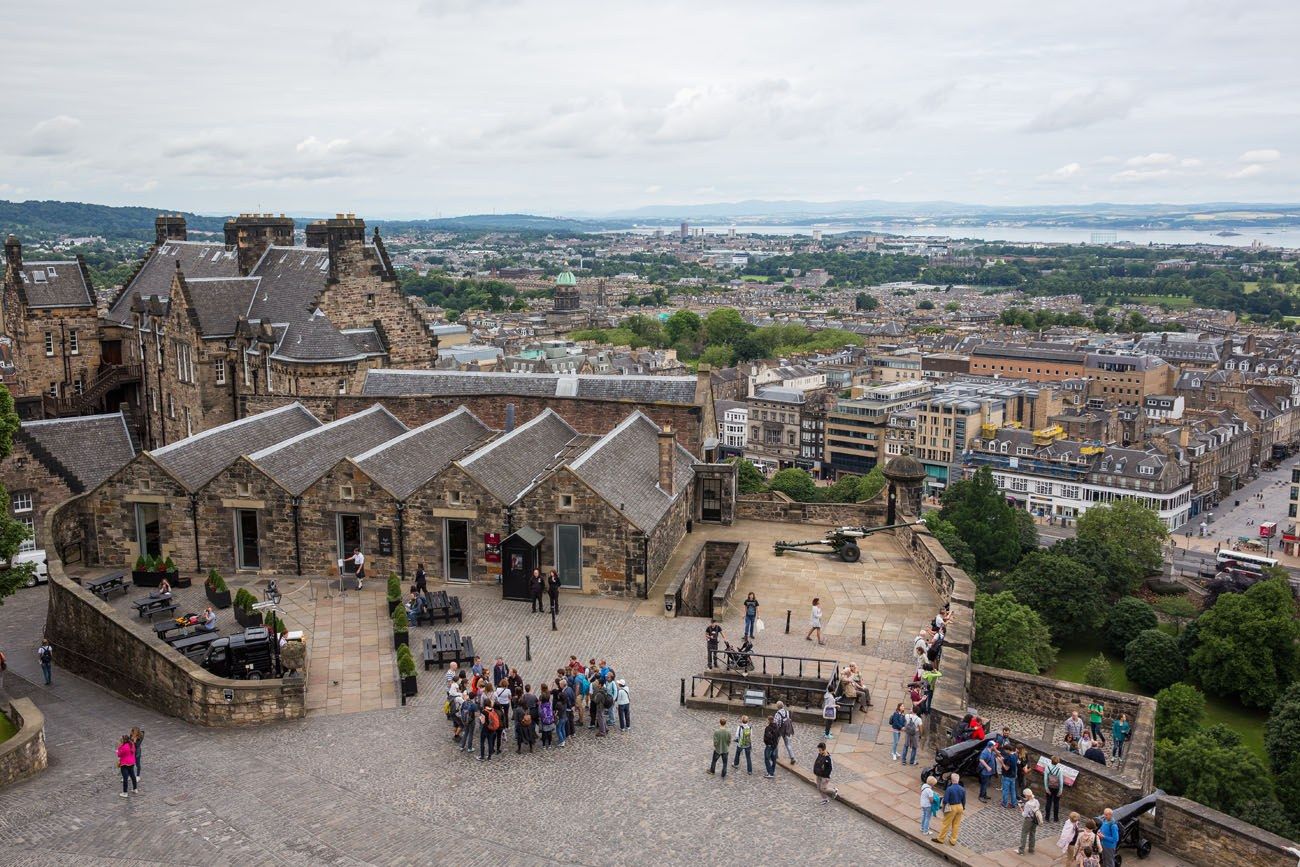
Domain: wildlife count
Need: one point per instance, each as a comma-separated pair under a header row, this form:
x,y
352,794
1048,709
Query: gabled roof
x,y
218,302
510,465
404,464
295,463
292,279
197,259
623,468
390,382
82,450
315,338
55,284
195,460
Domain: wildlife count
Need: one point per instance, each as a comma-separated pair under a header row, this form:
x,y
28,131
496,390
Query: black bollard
x,y
864,633
787,621
528,648
683,692
553,626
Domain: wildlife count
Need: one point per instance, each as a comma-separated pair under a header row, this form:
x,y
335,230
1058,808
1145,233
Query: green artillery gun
x,y
841,542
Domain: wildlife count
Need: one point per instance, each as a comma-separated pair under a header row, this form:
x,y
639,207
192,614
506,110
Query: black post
x,y
864,633
295,503
194,520
528,648
553,626
683,692
787,621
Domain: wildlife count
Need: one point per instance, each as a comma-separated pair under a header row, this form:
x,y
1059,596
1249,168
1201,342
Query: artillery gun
x,y
840,542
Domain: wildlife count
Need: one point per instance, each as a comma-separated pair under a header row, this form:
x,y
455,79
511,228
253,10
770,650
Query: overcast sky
x,y
396,108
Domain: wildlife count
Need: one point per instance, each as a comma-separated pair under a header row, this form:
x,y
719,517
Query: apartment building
x,y
1035,364
775,424
1126,377
856,427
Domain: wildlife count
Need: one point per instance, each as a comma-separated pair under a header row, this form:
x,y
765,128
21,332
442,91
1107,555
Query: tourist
x,y
359,560
1030,819
165,588
829,708
503,698
1022,769
1095,752
476,667
489,721
1069,834
137,744
546,717
468,718
712,633
744,741
1095,711
930,803
822,770
785,723
126,764
600,710
930,678
1086,852
452,708
988,767
864,694
1083,743
45,653
415,608
1119,732
815,622
848,689
771,741
954,806
421,580
1053,783
1108,835
611,692
1008,768
1003,737
721,747
751,615
976,728
523,729
896,722
536,584
553,591
501,673
1074,726
624,703
911,736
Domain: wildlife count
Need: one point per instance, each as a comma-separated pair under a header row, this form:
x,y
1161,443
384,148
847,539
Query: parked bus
x,y
1240,561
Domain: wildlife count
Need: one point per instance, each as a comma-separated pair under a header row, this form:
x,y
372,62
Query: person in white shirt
x,y
1030,819
359,560
815,623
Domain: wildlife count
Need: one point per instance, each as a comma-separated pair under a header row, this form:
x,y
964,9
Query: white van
x,y
40,574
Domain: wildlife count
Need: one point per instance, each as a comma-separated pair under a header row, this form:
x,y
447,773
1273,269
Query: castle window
x,y
346,492
248,376
343,386
49,343
244,489
78,385
22,501
455,498
146,485
219,370
566,501
54,390
370,299
74,347
267,363
189,426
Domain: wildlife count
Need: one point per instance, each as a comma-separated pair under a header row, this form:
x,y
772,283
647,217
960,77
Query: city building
x,y
775,426
1035,364
855,434
733,425
1126,378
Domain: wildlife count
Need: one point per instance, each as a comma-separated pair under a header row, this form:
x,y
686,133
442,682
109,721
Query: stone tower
x,y
906,479
567,299
169,227
253,233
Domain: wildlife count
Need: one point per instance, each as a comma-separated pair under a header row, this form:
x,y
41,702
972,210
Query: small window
x,y
219,369
78,385
455,497
53,390
22,501
346,492
566,501
146,485
244,489
28,544
171,407
343,386
74,347
49,343
370,299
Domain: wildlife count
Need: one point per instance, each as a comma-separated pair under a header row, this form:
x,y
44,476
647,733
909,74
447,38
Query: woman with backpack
x,y
489,724
1087,852
930,803
896,722
830,707
785,724
1053,783
911,737
546,716
523,728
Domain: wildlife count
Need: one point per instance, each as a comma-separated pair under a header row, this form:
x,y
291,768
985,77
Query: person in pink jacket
x,y
126,764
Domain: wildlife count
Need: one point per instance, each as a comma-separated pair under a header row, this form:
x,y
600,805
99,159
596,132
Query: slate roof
x,y
623,467
404,464
198,259
83,450
509,465
292,278
315,339
220,301
366,340
389,382
195,460
55,284
295,463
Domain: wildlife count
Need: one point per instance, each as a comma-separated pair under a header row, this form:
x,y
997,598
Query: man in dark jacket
x,y
535,586
822,769
553,591
771,740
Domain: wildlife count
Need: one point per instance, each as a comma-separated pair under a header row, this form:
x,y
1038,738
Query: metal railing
x,y
733,688
800,666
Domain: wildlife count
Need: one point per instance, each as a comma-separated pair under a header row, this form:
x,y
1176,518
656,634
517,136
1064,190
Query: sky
x,y
422,108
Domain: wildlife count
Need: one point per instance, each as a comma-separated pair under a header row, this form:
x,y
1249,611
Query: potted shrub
x,y
216,590
401,628
394,592
406,669
145,573
244,613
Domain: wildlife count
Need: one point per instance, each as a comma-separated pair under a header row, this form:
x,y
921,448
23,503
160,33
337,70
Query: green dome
x,y
566,278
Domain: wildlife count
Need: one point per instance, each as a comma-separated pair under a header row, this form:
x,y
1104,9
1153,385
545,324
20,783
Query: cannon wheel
x,y
850,553
931,771
1144,849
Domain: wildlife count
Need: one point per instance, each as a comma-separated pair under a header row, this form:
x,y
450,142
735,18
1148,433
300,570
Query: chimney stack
x,y
14,252
510,417
343,231
667,443
251,234
169,227
317,234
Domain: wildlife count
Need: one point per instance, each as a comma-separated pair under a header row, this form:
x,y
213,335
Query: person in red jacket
x,y
126,764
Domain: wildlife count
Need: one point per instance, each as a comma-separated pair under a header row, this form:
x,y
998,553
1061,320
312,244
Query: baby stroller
x,y
739,660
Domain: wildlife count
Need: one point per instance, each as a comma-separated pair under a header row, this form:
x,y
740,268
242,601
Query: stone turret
x,y
253,233
906,479
169,227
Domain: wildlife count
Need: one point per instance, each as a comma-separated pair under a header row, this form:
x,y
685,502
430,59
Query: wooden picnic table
x,y
106,584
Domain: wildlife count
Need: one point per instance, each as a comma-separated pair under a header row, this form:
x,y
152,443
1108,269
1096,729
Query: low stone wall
x,y
92,640
1095,788
775,506
1203,836
704,584
723,562
23,754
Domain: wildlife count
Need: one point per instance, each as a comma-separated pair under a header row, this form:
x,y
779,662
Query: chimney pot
x,y
667,444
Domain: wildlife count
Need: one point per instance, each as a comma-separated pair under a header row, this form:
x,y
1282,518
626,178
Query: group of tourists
x,y
1090,742
492,702
779,730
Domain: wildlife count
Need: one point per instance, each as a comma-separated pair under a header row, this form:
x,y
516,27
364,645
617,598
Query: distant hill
x,y
503,223
44,221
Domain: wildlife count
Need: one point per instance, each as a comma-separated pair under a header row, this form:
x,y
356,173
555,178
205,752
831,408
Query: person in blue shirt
x,y
1119,732
988,767
1108,834
954,806
1010,766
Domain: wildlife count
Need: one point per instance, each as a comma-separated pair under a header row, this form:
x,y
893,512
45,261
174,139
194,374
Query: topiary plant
x,y
142,563
400,623
216,582
394,587
405,662
1097,671
168,565
244,600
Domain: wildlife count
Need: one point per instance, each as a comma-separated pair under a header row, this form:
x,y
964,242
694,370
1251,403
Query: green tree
x,y
947,536
984,520
1200,767
12,533
1282,733
1010,635
1179,709
1246,645
683,325
952,307
871,484
718,355
1099,560
1152,660
724,325
925,304
748,479
845,490
1128,617
1026,531
1066,594
1097,671
863,301
1132,533
796,484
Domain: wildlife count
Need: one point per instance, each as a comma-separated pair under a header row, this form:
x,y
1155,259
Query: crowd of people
x,y
494,702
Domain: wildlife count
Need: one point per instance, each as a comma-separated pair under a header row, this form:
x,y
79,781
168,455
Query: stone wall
x,y
23,754
775,506
1203,836
22,472
702,586
723,563
1095,788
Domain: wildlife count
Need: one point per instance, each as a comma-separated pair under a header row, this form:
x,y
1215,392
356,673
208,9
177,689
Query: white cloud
x,y
52,137
1191,162
1065,172
1249,171
1152,159
1265,155
1076,109
351,46
653,188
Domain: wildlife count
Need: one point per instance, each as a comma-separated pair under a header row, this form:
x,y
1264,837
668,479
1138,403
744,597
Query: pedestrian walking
x,y
744,741
624,703
553,590
954,806
829,708
137,744
751,615
815,623
712,633
1069,833
911,737
1119,732
931,802
1108,836
359,560
785,723
1053,782
421,579
721,747
126,764
45,653
771,741
896,722
1095,711
823,767
535,586
1030,818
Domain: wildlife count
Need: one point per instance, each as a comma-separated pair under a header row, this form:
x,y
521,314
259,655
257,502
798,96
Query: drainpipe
x,y
295,503
510,522
401,539
194,520
645,566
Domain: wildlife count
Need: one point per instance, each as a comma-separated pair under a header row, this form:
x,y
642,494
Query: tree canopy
x,y
12,533
1127,619
1152,660
796,484
1205,769
984,520
1010,635
947,536
1132,535
1246,645
1179,709
748,479
1066,594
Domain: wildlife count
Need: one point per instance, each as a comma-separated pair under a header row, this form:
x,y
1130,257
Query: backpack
x,y
910,728
546,714
787,726
493,720
1052,778
467,712
43,652
745,737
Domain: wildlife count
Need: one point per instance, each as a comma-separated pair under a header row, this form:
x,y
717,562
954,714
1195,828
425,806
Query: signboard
x,y
1068,774
262,606
1267,529
492,547
385,542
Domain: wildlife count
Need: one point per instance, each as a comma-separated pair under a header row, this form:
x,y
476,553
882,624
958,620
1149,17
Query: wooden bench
x,y
442,607
430,655
466,651
163,630
152,603
107,584
169,610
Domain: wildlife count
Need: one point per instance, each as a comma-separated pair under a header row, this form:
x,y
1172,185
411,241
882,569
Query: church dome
x,y
566,278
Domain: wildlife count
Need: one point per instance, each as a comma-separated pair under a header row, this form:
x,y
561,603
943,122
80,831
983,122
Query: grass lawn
x,y
7,729
1245,721
1175,302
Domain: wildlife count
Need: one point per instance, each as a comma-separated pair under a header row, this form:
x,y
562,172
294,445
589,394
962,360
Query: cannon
x,y
840,542
962,757
1130,834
